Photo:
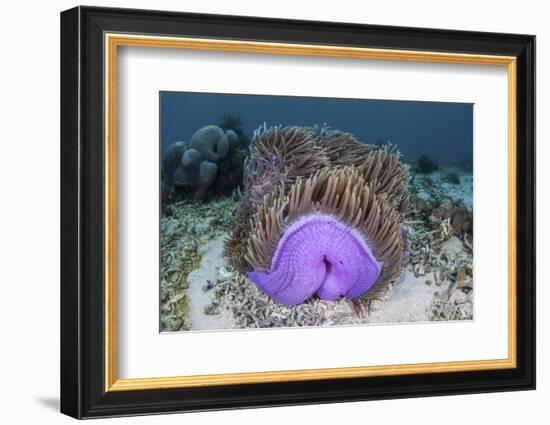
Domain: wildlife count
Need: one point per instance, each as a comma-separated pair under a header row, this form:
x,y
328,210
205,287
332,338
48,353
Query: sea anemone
x,y
330,235
320,215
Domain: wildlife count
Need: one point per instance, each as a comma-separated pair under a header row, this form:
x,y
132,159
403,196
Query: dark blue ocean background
x,y
443,131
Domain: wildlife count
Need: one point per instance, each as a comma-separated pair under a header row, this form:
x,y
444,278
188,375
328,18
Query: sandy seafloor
x,y
200,290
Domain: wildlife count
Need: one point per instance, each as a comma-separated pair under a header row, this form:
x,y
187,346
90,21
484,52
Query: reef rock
x,y
232,138
232,126
211,142
171,159
210,164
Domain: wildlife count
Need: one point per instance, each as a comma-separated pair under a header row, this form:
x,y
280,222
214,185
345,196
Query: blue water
x,y
443,131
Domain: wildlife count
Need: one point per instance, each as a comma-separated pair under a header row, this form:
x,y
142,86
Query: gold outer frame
x,y
113,41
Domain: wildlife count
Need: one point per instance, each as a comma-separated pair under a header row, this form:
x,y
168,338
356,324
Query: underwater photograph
x,y
288,211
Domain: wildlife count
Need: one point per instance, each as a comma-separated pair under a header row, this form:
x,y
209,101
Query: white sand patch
x,y
408,301
453,248
199,298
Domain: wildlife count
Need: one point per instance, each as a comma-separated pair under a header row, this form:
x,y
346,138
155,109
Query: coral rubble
x,y
185,227
439,228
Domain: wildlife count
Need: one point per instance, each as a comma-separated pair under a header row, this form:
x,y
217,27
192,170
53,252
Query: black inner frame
x,y
82,209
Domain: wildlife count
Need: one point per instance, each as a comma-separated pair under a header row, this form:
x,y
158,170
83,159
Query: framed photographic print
x,y
261,212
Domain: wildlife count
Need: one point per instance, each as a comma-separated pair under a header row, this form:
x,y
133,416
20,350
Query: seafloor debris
x,y
251,308
184,230
439,240
454,277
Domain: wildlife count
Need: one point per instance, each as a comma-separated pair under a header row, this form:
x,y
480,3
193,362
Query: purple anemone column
x,y
319,254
